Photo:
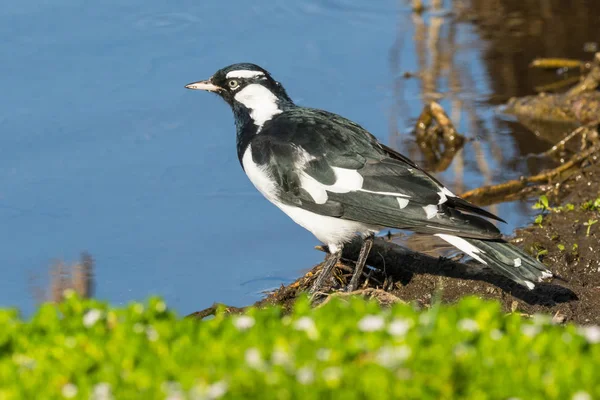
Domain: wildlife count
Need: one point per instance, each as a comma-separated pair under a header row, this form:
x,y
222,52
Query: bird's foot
x,y
360,263
332,259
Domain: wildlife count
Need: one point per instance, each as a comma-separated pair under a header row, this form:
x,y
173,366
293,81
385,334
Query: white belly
x,y
329,230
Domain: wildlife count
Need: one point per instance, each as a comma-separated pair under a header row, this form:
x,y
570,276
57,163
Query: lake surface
x,y
102,149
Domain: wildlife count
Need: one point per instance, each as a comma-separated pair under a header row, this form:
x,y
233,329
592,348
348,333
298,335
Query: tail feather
x,y
502,257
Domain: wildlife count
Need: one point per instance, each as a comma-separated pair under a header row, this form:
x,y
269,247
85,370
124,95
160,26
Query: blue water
x,y
102,149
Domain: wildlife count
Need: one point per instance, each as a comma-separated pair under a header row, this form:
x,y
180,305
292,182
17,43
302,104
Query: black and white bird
x,y
337,180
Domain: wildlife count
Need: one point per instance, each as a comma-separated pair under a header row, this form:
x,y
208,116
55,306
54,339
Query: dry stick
x,y
510,187
561,145
591,80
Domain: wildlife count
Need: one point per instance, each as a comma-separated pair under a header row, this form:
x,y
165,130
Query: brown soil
x,y
573,295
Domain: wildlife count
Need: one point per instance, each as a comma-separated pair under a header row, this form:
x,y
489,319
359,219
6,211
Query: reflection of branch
x,y
433,127
78,277
511,189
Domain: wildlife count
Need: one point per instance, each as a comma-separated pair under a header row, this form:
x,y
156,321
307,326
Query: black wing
x,y
332,166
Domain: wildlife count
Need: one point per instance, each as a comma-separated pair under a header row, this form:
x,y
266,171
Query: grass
x,y
346,349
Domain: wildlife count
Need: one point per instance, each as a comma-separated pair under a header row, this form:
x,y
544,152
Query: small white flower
x,y
371,323
253,358
468,325
591,333
391,357
91,317
102,391
70,342
217,390
161,306
305,375
496,334
280,357
172,390
23,361
581,395
323,354
307,325
425,319
462,349
69,391
332,374
304,324
530,330
243,322
399,327
138,308
138,328
151,334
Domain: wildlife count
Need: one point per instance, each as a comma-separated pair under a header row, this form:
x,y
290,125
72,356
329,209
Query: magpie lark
x,y
335,179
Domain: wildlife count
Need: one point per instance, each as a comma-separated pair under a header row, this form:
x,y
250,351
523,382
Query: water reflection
x,y
104,150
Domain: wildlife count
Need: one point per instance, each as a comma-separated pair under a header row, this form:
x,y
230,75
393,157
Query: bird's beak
x,y
203,85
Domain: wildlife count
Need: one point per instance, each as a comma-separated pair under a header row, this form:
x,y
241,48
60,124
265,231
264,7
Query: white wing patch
x,y
447,192
546,274
261,102
244,73
530,285
430,211
346,180
315,189
444,193
517,262
462,245
402,202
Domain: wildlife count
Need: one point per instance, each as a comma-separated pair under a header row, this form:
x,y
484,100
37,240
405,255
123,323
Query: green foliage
x,y
592,205
589,224
542,203
346,349
539,219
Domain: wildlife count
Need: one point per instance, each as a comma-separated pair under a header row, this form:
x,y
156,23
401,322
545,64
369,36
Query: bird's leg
x,y
360,263
332,259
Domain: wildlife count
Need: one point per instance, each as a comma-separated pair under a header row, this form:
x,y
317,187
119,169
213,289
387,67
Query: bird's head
x,y
246,86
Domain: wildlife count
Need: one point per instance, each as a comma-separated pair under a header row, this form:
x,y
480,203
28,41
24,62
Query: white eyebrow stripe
x,y
242,73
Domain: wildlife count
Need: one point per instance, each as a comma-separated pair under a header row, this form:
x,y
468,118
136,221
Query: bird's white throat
x,y
261,102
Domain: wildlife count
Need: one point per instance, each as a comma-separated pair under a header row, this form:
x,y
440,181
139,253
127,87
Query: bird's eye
x,y
233,84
